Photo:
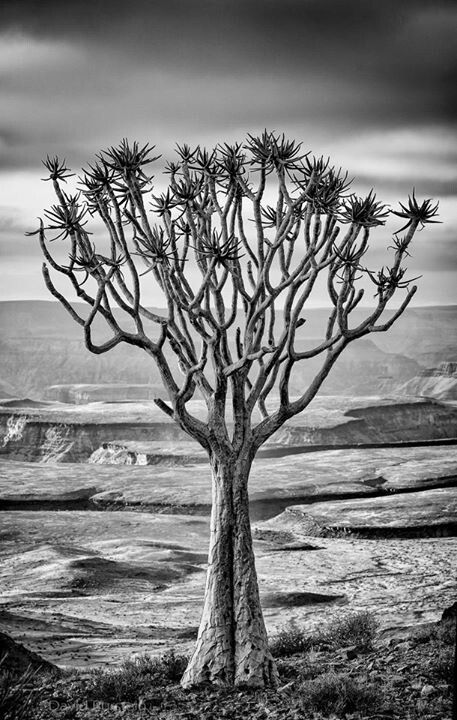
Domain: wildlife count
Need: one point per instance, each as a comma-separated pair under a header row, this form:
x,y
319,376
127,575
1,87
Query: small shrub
x,y
17,699
170,667
357,629
136,678
338,694
290,640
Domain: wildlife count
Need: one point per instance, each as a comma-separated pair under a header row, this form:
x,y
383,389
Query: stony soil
x,y
407,679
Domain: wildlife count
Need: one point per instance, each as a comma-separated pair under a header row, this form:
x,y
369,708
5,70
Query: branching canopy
x,y
236,245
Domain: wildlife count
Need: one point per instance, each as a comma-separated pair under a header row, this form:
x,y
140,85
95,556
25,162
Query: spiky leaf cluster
x,y
57,169
366,212
350,256
327,192
163,204
231,164
388,280
400,244
414,213
271,219
274,152
320,185
67,219
187,190
206,162
96,181
186,153
221,251
129,160
155,248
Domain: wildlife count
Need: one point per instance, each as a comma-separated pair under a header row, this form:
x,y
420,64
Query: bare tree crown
x,y
236,245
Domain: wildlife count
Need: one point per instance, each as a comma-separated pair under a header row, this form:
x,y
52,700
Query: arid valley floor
x,y
104,511
104,537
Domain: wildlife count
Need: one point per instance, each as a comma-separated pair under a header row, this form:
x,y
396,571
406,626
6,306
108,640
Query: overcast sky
x,y
371,84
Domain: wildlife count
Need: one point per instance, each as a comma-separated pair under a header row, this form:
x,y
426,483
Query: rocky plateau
x,y
104,502
106,557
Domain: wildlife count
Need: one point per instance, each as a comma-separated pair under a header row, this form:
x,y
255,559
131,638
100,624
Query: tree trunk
x,y
232,644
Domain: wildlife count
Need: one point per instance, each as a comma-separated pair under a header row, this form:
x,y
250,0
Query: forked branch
x,y
234,273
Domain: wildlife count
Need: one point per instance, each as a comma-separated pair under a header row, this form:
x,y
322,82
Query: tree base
x,y
205,669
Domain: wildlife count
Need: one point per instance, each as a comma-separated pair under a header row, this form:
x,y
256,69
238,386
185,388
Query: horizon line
x,y
310,307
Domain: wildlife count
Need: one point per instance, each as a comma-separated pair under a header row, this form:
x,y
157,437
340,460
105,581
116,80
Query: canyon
x,y
104,502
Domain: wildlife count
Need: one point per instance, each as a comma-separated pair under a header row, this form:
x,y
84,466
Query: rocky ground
x,y
343,670
106,559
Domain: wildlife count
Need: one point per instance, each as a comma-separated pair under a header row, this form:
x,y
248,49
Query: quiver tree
x,y
235,245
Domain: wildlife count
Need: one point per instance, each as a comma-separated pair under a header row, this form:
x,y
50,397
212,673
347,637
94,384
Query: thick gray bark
x,y
232,644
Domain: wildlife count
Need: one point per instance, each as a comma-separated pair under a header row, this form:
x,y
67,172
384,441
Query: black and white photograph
x,y
228,360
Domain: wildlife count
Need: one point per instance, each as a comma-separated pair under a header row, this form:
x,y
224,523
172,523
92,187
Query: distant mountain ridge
x,y
45,318
42,346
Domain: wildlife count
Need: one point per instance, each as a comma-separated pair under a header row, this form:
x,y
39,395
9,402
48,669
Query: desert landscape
x,y
105,504
228,360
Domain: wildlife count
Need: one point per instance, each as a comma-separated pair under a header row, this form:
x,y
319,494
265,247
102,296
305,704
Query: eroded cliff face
x,y
446,369
395,423
439,382
29,437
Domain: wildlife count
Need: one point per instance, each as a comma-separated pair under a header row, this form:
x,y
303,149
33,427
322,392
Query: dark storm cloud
x,y
182,68
370,84
403,54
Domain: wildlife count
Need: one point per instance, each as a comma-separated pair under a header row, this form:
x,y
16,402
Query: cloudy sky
x,y
370,84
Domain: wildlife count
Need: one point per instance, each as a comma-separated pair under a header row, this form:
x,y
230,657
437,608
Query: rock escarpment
x,y
439,382
389,421
51,432
35,440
